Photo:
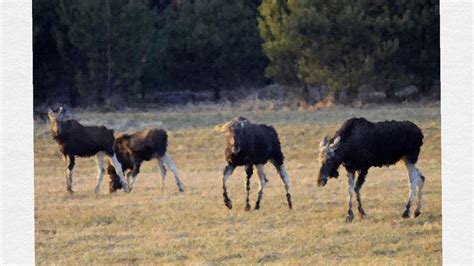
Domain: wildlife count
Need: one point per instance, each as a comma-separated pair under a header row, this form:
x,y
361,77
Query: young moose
x,y
141,146
75,139
360,144
248,145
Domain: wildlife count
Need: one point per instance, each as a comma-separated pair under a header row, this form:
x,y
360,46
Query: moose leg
x,y
350,214
118,169
360,181
100,169
161,166
132,176
70,161
421,182
167,160
286,181
263,182
249,172
229,169
415,179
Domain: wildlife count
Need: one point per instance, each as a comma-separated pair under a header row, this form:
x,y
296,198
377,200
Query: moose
x,y
75,139
251,144
360,144
133,149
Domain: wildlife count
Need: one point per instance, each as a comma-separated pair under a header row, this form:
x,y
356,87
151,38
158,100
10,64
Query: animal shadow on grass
x,y
272,257
229,257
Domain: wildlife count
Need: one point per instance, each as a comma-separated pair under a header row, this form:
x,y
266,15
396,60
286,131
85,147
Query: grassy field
x,y
194,227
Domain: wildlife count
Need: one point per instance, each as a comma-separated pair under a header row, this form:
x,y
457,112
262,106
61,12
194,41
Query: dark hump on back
x,y
347,128
270,131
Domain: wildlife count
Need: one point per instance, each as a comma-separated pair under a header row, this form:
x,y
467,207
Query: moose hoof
x,y
70,190
257,207
228,203
362,213
406,214
126,188
290,204
181,189
417,213
247,208
350,217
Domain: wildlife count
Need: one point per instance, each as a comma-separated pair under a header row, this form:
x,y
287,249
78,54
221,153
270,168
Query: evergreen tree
x,y
104,45
46,70
205,44
347,43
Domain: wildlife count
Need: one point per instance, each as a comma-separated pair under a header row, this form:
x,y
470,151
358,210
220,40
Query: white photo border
x,y
16,132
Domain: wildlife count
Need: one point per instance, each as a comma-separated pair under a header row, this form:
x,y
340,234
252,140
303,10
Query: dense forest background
x,y
89,51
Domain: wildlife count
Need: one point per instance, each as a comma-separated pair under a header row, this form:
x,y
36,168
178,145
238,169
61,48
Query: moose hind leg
x,y
249,172
286,181
70,161
421,182
132,176
358,186
415,179
167,160
263,182
229,169
161,166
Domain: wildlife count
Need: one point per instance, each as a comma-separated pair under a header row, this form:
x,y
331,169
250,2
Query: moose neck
x,y
56,129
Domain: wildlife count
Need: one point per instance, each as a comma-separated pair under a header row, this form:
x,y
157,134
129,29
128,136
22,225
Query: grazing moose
x,y
141,146
360,144
75,139
248,145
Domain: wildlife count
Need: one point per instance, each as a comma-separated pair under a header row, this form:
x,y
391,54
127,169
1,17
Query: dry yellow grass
x,y
150,226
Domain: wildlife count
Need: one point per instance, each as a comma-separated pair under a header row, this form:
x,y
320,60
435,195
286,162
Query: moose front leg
x,y
118,169
70,162
229,169
350,213
101,170
249,172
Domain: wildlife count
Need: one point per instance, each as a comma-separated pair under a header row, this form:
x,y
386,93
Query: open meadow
x,y
194,227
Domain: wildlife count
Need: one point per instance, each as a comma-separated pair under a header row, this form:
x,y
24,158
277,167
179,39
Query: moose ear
x,y
222,127
324,142
336,142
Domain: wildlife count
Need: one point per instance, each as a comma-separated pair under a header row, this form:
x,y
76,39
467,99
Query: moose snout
x,y
322,181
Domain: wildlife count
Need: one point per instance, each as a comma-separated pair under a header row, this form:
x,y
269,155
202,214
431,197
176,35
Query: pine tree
x,y
348,43
206,44
104,45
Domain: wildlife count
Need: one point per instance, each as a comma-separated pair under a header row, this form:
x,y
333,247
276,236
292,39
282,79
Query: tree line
x,y
89,50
